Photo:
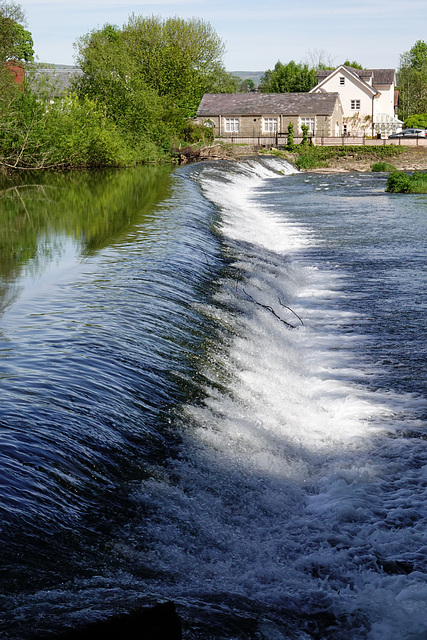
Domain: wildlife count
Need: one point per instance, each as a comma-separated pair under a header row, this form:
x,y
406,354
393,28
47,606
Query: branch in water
x,y
295,314
268,308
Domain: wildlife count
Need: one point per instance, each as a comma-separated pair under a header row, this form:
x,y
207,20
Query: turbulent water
x,y
213,391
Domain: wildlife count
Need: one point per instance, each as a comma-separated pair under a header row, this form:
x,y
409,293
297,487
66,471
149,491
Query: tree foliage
x,y
35,134
353,65
412,81
246,86
150,75
16,42
111,79
140,84
417,121
177,60
288,78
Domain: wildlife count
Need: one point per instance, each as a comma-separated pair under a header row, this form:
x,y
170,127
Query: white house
x,y
367,97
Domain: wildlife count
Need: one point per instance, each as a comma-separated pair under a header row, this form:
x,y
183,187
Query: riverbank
x,y
411,159
406,158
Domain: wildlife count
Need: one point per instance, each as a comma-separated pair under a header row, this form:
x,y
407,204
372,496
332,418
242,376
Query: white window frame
x,y
355,105
269,125
342,80
232,125
309,122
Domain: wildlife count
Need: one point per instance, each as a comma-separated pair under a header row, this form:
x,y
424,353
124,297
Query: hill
x,y
249,75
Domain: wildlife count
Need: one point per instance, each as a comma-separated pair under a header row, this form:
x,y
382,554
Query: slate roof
x,y
242,104
379,76
60,77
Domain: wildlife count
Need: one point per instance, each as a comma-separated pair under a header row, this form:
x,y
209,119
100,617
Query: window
x,y
232,125
355,104
269,124
309,122
342,80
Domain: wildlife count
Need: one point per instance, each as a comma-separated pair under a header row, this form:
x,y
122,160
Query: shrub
x,y
290,143
193,133
304,140
84,136
400,182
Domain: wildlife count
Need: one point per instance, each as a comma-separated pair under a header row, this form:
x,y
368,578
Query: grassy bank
x,y
307,157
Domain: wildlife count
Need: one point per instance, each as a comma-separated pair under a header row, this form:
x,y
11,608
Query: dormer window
x,y
342,80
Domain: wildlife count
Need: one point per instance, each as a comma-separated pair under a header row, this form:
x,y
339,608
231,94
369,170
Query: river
x,y
213,391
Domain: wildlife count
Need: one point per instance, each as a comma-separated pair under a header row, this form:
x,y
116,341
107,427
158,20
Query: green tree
x,y
417,121
16,42
288,78
417,56
354,64
112,77
246,86
177,59
412,81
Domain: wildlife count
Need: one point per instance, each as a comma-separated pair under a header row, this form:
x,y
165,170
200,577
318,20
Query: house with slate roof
x,y
59,79
368,98
254,115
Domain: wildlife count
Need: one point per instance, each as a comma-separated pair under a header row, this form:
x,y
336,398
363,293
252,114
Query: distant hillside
x,y
243,75
249,75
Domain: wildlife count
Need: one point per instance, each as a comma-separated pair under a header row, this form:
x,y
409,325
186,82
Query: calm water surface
x,y
213,390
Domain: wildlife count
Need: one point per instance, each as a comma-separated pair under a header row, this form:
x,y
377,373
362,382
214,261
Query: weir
x,y
173,433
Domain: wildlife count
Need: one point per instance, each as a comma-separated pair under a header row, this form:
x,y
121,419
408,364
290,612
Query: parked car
x,y
410,133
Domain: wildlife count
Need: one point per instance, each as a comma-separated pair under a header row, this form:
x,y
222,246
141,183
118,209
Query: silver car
x,y
410,133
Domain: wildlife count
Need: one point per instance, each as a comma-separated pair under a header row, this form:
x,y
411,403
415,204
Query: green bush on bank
x,y
401,182
68,133
39,133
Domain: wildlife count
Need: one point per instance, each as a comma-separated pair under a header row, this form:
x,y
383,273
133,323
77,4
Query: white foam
x,y
293,476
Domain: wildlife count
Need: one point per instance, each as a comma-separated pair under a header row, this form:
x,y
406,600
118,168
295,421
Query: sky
x,y
256,35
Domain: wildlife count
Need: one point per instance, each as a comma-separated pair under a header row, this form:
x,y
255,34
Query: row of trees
x,y
297,76
140,87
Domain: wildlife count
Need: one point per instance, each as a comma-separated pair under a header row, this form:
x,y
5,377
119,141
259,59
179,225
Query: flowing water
x,y
213,391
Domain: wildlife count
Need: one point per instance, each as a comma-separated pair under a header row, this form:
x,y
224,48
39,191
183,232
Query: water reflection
x,y
40,213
